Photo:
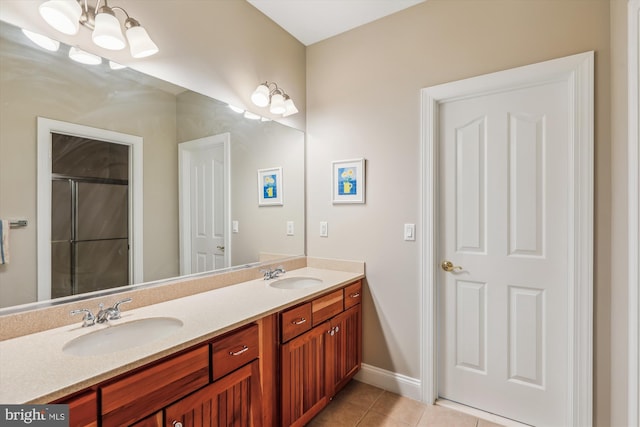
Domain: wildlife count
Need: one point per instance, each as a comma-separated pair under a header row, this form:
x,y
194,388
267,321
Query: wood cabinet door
x,y
303,377
234,400
83,410
343,349
154,420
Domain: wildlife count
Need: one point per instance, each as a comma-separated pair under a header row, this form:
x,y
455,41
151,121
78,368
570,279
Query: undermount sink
x,y
296,282
122,336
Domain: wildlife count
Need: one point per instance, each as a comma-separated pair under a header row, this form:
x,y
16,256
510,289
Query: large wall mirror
x,y
170,121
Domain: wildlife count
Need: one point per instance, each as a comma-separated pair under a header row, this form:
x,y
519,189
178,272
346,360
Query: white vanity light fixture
x,y
67,15
275,97
42,41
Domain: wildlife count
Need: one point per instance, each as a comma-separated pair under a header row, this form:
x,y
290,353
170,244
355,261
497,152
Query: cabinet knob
x,y
177,423
331,331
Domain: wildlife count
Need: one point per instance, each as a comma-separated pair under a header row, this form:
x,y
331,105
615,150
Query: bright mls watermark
x,y
34,415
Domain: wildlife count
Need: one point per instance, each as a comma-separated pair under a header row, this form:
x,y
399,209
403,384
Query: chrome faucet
x,y
272,274
111,313
104,315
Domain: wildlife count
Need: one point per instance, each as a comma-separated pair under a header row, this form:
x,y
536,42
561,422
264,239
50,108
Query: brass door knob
x,y
449,267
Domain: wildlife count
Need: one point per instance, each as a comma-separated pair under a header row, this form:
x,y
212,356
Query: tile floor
x,y
363,405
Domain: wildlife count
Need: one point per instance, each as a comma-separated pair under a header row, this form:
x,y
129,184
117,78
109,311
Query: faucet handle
x,y
116,307
88,319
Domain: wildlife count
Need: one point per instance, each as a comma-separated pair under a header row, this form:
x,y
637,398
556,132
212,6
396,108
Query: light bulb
x,y
277,104
289,107
260,96
42,41
63,15
83,57
107,32
140,43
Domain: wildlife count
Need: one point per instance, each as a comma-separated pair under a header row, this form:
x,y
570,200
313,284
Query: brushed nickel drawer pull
x,y
299,321
239,352
355,295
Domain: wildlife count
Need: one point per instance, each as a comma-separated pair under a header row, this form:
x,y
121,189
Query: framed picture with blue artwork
x,y
270,187
348,181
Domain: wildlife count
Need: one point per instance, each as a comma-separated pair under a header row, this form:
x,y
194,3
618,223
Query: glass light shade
x,y
260,96
277,104
251,116
140,43
107,32
42,41
236,109
289,107
116,66
63,15
83,57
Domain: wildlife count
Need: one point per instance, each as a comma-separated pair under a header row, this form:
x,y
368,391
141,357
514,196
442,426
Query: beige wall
x,y
363,101
618,328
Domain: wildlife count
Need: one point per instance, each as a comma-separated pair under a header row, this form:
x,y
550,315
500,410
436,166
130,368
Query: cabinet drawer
x,y
353,294
327,306
295,321
234,351
144,392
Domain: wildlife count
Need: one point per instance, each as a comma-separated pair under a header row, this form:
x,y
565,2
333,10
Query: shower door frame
x,y
45,128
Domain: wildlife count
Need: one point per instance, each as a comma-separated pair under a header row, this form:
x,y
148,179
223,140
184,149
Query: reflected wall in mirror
x,y
38,83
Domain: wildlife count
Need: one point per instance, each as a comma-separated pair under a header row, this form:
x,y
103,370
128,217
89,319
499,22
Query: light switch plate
x,y
409,232
235,227
290,229
324,229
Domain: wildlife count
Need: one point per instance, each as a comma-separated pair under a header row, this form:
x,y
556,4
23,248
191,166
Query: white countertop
x,y
34,369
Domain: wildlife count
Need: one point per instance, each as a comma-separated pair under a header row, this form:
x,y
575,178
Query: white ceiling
x,y
311,21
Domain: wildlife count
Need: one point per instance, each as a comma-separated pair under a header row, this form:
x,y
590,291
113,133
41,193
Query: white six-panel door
x,y
508,199
503,200
204,204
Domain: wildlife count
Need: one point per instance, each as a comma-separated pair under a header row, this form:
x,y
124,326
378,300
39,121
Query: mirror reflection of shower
x,y
89,215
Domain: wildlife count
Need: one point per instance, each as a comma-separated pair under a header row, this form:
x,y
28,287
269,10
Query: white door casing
x,y
204,204
44,169
576,72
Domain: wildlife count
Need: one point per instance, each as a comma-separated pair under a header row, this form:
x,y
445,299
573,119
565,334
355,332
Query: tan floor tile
x,y
374,419
360,394
485,423
400,408
438,416
339,413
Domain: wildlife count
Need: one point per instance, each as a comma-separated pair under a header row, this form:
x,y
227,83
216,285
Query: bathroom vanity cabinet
x,y
282,369
217,380
321,351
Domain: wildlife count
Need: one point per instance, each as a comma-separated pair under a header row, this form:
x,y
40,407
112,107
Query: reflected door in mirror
x,y
89,214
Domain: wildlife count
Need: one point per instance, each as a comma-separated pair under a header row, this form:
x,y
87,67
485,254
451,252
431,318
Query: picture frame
x,y
348,182
270,187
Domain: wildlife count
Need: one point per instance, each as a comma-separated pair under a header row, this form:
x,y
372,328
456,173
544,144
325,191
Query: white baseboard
x,y
390,381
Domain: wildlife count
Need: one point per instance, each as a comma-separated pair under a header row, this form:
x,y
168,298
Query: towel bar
x,y
16,223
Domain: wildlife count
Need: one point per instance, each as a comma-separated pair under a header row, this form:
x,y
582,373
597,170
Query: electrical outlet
x,y
290,230
324,229
235,227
